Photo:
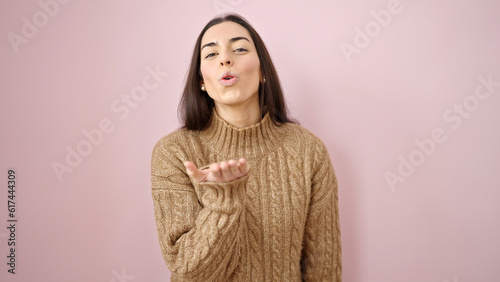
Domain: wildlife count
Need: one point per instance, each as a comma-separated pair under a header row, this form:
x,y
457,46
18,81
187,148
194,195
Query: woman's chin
x,y
235,98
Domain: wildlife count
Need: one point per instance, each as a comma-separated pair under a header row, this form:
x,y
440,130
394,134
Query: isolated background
x,y
97,224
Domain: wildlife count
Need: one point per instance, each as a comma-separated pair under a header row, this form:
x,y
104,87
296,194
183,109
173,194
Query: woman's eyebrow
x,y
234,39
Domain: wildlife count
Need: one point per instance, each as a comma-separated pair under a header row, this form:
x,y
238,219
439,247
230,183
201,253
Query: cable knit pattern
x,y
278,223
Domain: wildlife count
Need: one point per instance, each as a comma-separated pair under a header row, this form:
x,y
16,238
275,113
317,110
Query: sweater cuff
x,y
224,197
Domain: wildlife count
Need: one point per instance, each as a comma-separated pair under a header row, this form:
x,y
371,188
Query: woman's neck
x,y
239,116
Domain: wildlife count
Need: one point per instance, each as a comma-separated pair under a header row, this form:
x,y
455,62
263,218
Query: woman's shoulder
x,y
174,141
299,135
174,136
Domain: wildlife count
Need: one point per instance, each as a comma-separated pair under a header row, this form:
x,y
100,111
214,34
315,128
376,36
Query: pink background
x,y
439,221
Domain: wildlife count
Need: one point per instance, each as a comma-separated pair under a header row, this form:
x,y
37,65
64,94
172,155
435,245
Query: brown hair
x,y
195,108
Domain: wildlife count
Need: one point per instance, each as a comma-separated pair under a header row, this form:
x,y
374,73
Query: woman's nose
x,y
225,59
227,62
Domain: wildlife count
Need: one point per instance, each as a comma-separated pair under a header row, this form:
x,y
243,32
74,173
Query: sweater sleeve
x,y
321,254
199,238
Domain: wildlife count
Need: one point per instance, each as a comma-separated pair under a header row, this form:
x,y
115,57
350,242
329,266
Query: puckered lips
x,y
228,78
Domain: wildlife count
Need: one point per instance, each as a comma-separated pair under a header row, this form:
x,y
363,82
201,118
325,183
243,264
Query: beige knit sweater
x,y
278,223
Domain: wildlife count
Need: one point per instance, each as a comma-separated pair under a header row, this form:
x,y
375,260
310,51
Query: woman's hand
x,y
218,172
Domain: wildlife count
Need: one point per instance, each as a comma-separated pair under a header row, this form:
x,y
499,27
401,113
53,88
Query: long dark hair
x,y
195,108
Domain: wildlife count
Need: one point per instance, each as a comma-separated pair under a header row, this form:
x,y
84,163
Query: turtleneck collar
x,y
234,142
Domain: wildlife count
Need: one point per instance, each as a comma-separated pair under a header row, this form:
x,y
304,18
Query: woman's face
x,y
230,66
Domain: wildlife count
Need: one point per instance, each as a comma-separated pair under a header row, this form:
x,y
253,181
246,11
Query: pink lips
x,y
228,78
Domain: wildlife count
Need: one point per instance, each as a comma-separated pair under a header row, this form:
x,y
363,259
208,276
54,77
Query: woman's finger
x,y
194,172
226,174
215,171
233,167
243,165
190,167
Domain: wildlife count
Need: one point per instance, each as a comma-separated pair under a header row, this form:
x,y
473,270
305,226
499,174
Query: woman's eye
x,y
209,55
240,50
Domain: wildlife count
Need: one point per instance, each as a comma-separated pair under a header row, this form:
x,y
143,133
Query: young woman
x,y
240,192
